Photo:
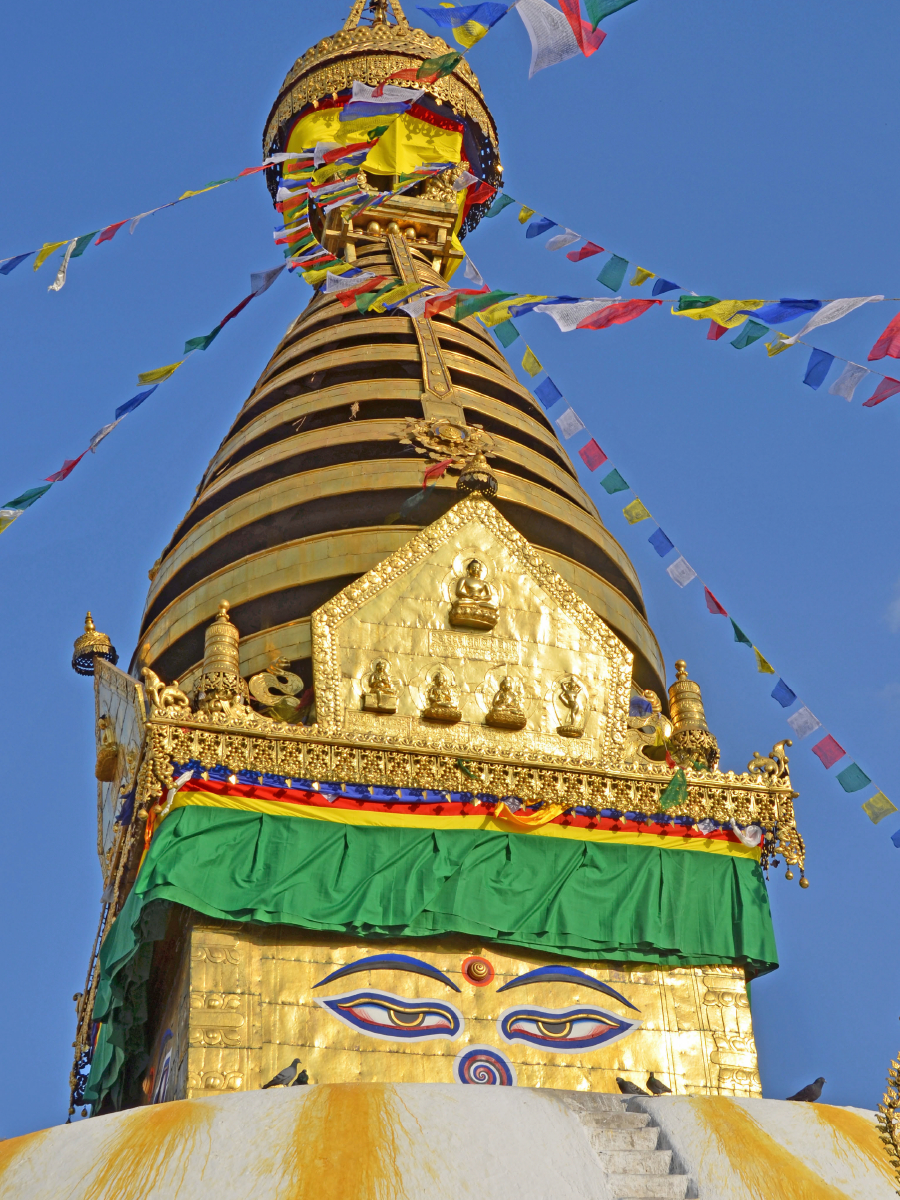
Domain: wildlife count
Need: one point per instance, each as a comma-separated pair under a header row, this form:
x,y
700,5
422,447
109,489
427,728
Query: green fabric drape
x,y
585,900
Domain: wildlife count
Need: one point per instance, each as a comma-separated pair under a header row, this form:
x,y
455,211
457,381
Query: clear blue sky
x,y
741,150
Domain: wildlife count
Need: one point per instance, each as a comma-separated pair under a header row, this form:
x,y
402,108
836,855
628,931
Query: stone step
x,y
636,1162
614,1120
648,1187
624,1139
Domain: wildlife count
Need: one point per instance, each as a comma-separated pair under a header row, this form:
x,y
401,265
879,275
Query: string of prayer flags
x,y
751,333
828,751
887,387
569,422
817,368
888,345
530,364
783,694
764,667
681,571
613,273
592,456
588,250
635,511
613,482
713,604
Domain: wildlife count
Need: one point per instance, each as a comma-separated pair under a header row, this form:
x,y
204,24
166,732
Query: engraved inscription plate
x,y
449,644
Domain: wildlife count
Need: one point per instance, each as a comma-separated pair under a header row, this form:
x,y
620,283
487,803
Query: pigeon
x,y
811,1092
302,1078
283,1078
657,1087
627,1088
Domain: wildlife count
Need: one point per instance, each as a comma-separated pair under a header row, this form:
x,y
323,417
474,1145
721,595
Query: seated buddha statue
x,y
506,711
476,604
381,694
573,698
441,702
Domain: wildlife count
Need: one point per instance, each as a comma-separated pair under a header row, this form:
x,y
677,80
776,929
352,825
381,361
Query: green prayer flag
x,y
613,482
853,778
506,333
367,299
82,243
878,807
502,201
635,511
688,302
613,273
200,343
466,306
433,69
28,498
598,9
739,635
751,333
676,793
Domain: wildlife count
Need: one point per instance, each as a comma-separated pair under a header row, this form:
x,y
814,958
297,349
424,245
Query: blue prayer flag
x,y
660,543
639,707
12,263
783,694
452,18
665,285
817,368
547,392
784,310
895,838
541,225
132,404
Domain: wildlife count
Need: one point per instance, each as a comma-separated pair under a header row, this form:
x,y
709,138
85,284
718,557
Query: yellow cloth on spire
x,y
724,312
641,276
498,313
761,665
159,374
410,143
524,214
45,251
530,363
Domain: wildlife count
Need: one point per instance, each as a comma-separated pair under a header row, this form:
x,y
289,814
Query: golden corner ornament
x,y
476,679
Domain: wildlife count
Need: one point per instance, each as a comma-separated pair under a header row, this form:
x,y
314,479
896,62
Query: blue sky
x,y
741,150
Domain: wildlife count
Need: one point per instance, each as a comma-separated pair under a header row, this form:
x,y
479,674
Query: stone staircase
x,y
625,1142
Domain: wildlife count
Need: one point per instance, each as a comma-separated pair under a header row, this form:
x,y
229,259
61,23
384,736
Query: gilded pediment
x,y
466,639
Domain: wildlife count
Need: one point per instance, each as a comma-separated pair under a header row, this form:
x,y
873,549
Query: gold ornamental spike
x,y
378,10
92,643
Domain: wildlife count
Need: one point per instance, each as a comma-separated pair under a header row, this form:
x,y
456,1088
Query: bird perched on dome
x,y
627,1088
811,1092
657,1087
284,1077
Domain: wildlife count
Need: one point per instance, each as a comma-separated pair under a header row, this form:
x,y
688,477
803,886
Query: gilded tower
x,y
393,788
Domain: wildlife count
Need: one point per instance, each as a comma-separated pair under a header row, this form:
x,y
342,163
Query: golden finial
x,y
691,739
477,476
92,644
221,684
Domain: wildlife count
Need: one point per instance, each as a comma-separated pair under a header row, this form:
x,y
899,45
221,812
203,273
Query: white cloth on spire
x,y
552,39
832,312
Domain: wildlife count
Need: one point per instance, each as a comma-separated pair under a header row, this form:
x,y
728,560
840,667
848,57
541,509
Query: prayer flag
x,y
10,264
592,456
28,498
502,201
7,516
343,282
639,707
466,306
261,281
739,635
66,469
107,234
635,512
783,694
853,778
569,316
613,273
828,751
664,285
524,214
133,403
895,838
803,722
462,181
887,387
588,39
469,22
363,103
848,380
435,471
569,422
560,240
613,482
715,331
551,36
431,70
101,434
781,342
82,243
617,313
472,273
547,392
817,368
506,333
751,333
888,345
661,543
681,572
598,10
712,603
46,250
588,250
201,343
370,283
541,225
530,364
641,276
764,668
786,310
878,807
833,311
160,374
676,791
59,282
729,313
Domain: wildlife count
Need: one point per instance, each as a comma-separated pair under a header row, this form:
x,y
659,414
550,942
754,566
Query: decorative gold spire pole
x,y
691,740
92,644
221,685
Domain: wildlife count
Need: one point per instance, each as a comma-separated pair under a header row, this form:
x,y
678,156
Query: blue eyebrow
x,y
565,975
390,962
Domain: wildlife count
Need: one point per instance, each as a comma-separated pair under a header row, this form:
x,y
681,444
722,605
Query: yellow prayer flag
x,y
641,276
723,312
762,666
781,343
199,191
397,293
878,807
45,251
635,511
470,33
315,277
7,516
530,363
498,313
159,374
524,214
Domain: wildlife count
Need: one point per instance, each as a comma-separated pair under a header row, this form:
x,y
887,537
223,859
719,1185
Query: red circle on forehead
x,y
478,971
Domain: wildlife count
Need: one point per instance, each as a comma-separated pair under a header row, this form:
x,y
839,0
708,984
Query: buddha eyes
x,y
562,1029
382,1015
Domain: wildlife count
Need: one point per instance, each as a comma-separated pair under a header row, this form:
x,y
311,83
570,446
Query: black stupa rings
x,y
92,644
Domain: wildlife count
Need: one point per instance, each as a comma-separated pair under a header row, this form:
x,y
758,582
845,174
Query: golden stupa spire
x,y
377,11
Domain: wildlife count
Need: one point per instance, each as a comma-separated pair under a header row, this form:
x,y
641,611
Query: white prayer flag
x,y
390,94
463,181
559,240
342,283
681,571
60,279
832,312
803,722
261,281
569,423
323,148
102,433
568,316
472,273
848,380
552,39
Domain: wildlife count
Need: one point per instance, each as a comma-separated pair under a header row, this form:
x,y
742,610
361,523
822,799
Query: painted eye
x,y
395,1018
566,1029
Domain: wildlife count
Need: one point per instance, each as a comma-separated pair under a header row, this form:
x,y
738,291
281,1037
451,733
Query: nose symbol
x,y
484,1064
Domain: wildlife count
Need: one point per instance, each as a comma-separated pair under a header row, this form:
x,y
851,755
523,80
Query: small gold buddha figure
x,y
574,699
381,694
506,711
441,702
476,605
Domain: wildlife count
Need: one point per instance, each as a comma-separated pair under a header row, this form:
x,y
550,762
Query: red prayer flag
x,y
66,469
592,456
888,345
371,285
887,387
251,171
617,314
234,312
341,151
828,751
586,251
713,605
438,304
715,331
435,471
107,234
481,192
588,39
